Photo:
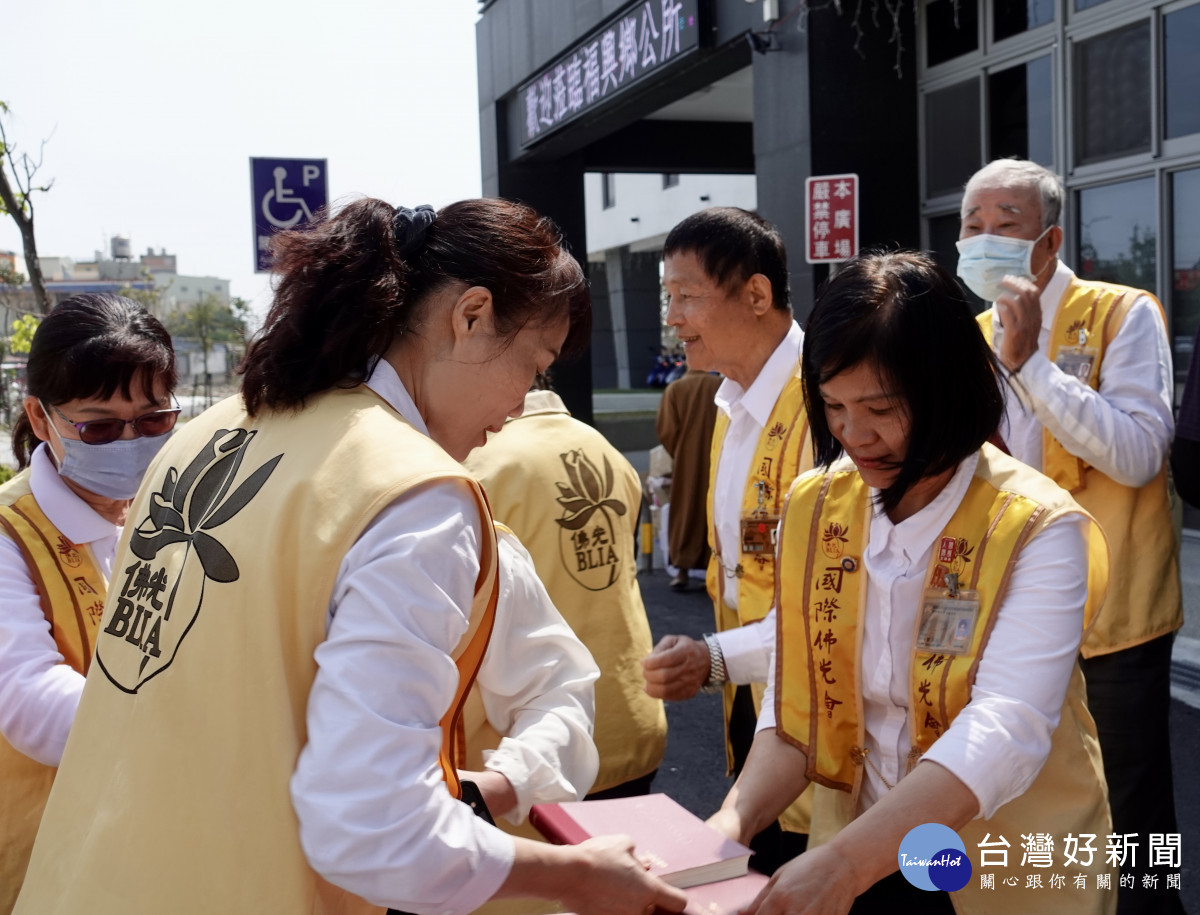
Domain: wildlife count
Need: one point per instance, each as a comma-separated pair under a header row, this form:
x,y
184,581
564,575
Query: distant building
x,y
152,272
912,101
66,276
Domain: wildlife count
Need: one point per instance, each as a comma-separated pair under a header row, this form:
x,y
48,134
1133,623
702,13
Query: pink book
x,y
727,897
680,848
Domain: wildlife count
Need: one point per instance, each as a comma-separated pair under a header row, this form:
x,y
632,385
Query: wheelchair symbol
x,y
280,197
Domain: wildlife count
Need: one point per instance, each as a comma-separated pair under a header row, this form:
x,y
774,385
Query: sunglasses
x,y
103,431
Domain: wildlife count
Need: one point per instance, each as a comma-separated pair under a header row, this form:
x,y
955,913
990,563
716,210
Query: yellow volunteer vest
x,y
72,589
819,649
573,501
783,452
173,792
544,473
1144,595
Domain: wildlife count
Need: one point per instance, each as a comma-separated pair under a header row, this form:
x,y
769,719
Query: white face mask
x,y
984,260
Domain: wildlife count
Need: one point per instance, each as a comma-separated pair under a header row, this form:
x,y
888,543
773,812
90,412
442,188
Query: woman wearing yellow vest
x,y
273,719
933,593
99,380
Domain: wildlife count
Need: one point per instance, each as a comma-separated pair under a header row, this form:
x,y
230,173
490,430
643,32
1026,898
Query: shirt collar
x,y
759,399
916,532
74,518
386,383
538,402
1053,293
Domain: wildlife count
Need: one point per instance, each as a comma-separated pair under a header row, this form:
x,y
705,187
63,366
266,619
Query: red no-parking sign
x,y
832,218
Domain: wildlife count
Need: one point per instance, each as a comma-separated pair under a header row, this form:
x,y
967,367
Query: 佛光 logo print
x,y
932,857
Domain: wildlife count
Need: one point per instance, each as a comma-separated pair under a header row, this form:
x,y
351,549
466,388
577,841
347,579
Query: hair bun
x,y
411,226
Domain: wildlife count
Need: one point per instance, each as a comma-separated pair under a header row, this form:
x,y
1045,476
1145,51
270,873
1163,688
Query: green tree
x,y
19,342
210,321
153,299
16,199
11,282
22,333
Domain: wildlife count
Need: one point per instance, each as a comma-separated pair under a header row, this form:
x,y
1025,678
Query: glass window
x,y
670,179
943,233
1117,234
1087,4
1112,94
1185,267
1011,17
608,191
1182,36
1019,107
951,30
952,148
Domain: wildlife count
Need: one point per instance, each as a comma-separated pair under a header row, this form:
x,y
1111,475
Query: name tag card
x,y
947,624
758,533
1077,361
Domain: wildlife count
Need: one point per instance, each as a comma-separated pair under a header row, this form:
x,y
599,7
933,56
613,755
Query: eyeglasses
x,y
103,431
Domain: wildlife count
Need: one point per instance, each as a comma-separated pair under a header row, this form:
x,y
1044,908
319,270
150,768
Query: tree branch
x,y
19,204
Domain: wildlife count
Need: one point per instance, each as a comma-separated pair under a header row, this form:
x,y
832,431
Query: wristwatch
x,y
717,677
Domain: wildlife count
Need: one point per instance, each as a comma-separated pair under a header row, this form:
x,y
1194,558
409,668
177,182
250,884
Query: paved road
x,y
693,770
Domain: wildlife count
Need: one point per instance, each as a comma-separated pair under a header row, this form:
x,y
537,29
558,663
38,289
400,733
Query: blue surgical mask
x,y
984,260
115,469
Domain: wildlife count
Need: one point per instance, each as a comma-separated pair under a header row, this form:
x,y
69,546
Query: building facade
x,y
910,99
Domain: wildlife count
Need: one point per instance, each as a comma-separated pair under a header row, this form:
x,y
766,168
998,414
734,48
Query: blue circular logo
x,y
932,857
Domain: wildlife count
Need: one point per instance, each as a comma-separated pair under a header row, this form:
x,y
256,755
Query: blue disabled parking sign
x,y
285,193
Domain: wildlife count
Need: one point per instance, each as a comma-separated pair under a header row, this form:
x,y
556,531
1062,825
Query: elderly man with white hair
x,y
1090,406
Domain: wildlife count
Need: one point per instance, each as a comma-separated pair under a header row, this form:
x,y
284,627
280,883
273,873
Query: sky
x,y
151,112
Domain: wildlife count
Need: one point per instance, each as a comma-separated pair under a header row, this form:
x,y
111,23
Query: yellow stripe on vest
x,y
980,543
783,452
71,586
820,603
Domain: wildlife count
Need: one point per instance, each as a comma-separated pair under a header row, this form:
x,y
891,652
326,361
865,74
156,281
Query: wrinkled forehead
x,y
997,197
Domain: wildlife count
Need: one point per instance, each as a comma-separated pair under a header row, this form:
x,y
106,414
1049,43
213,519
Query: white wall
x,y
656,208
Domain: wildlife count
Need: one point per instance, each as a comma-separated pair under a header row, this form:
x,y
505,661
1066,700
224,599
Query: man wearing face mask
x,y
1090,407
100,375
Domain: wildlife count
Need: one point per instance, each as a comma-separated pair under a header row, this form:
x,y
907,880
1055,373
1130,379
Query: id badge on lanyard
x,y
948,618
1078,361
760,528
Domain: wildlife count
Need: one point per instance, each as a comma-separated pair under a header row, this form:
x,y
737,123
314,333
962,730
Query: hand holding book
x,y
677,846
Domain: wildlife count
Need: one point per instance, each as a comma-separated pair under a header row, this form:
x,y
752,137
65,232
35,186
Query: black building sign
x,y
639,40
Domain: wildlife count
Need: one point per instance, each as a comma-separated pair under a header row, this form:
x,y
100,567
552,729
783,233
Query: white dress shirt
x,y
747,649
999,741
1125,428
367,787
39,691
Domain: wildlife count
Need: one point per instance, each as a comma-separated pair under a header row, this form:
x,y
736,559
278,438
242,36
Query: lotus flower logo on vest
x,y
163,589
67,550
834,539
591,552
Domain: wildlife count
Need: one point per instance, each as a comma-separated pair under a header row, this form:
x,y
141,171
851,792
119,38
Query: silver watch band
x,y
717,677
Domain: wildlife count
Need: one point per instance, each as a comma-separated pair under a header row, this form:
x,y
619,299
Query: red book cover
x,y
680,847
